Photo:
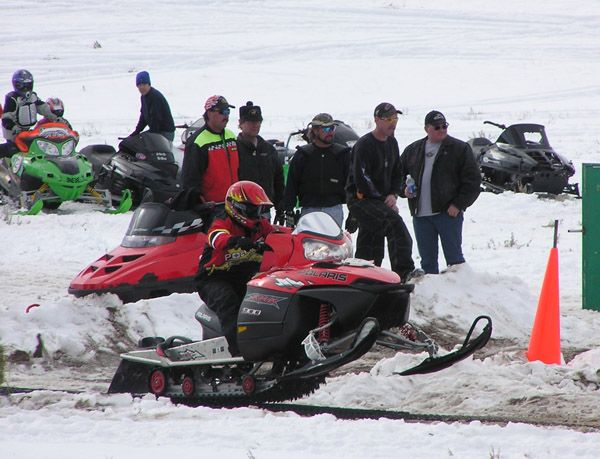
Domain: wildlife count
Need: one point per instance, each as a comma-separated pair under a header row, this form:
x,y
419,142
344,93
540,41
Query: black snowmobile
x,y
522,160
309,311
144,164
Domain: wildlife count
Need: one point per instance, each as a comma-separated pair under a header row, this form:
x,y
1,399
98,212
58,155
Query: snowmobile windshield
x,y
191,130
318,248
146,142
147,226
318,223
344,134
525,136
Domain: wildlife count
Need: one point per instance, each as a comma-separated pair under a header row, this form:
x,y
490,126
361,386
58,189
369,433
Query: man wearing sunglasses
x,y
210,161
318,173
447,181
374,184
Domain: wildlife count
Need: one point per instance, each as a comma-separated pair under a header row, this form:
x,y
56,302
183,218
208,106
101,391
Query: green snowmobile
x,y
46,171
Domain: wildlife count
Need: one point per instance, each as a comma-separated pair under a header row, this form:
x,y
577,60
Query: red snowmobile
x,y
310,310
158,255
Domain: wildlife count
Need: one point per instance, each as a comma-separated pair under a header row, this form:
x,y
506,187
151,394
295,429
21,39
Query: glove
x,y
290,219
239,242
279,217
351,224
262,247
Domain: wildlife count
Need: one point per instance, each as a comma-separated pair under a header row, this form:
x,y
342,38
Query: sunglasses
x,y
441,126
390,119
222,111
328,129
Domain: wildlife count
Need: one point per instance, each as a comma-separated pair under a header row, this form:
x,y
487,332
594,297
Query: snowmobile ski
x,y
436,363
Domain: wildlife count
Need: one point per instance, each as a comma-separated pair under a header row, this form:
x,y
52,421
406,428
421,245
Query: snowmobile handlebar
x,y
501,126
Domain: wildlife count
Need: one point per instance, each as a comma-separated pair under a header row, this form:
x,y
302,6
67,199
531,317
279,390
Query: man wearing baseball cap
x,y
447,181
318,172
210,162
373,187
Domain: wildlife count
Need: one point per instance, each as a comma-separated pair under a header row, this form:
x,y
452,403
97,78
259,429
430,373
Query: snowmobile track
x,y
353,414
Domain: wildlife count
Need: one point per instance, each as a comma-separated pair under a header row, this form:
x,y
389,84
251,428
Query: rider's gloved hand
x,y
262,247
351,224
239,242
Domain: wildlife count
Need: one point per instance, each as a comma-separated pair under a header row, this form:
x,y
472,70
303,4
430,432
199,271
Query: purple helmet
x,y
22,81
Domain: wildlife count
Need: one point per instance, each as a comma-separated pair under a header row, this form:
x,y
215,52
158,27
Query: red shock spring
x,y
324,318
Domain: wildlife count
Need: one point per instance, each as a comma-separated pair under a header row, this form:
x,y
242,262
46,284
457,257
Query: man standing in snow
x,y
155,112
210,161
447,181
318,172
259,162
373,187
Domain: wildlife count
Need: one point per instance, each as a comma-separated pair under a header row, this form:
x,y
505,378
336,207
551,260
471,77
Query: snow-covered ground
x,y
506,62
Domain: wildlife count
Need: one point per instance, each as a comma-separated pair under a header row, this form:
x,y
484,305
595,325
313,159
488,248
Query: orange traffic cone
x,y
544,344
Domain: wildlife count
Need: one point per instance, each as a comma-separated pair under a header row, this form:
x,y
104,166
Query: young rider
x,y
57,107
233,254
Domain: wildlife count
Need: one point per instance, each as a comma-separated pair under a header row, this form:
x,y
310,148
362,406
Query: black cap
x,y
250,112
434,117
385,109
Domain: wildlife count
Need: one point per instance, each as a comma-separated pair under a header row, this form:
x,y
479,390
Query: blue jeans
x,y
449,231
336,212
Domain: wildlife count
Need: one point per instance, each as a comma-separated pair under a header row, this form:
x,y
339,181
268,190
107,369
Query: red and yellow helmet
x,y
245,203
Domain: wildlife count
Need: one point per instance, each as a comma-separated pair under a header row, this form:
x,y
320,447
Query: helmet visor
x,y
250,210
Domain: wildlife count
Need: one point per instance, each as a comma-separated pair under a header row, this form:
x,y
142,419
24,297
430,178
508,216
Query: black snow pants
x,y
224,298
379,222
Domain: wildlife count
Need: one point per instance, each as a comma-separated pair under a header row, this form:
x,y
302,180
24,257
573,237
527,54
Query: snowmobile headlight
x,y
316,250
146,241
68,147
48,148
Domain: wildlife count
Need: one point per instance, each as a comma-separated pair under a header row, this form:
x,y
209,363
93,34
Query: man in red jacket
x,y
210,162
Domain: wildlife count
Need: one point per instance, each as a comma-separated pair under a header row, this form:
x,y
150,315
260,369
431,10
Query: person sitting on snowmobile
x,y
58,109
233,253
21,107
155,111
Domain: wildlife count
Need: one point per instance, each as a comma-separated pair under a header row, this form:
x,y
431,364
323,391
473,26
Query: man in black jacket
x,y
447,181
155,112
374,184
259,162
318,172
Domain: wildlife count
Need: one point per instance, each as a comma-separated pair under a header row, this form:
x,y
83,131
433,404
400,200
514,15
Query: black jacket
x,y
261,165
155,113
376,171
317,176
455,178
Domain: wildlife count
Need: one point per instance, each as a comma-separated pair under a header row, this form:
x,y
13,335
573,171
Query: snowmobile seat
x,y
211,326
98,155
